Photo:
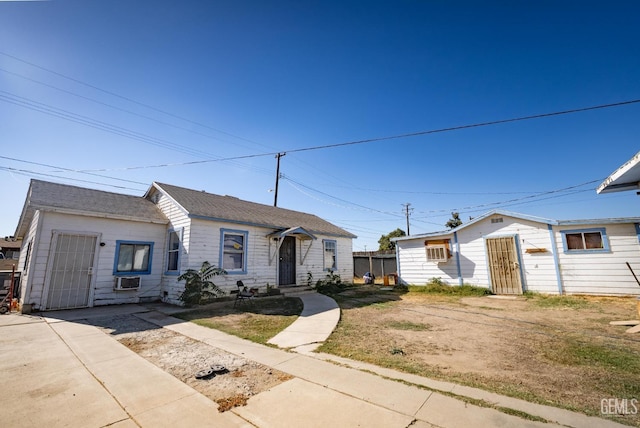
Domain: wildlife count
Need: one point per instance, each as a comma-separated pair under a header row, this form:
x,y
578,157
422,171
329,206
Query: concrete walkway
x,y
60,371
314,325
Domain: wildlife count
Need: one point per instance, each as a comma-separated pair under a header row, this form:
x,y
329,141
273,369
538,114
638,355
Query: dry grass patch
x,y
553,350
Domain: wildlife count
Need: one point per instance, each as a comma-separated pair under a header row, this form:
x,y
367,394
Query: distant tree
x,y
454,221
385,240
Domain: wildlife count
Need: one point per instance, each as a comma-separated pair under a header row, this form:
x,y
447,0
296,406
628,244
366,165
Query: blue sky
x,y
120,88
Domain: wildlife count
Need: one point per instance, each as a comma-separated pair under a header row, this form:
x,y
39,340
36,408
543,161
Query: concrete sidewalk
x,y
64,372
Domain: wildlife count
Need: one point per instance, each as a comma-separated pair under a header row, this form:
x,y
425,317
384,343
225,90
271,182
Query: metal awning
x,y
298,231
627,177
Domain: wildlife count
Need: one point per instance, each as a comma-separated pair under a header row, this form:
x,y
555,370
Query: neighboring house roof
x,y
208,206
54,197
522,217
627,177
7,244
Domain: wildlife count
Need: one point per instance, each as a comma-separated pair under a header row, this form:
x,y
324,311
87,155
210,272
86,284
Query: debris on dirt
x,y
229,403
178,355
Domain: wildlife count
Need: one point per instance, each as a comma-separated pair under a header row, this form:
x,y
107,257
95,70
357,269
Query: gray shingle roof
x,y
43,195
230,209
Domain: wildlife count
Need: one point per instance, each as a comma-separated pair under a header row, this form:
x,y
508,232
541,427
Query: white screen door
x,y
72,267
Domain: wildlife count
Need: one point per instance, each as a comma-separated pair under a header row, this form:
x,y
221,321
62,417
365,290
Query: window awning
x,y
298,232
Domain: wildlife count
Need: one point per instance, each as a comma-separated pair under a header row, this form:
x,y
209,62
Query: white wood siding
x,y
202,243
579,273
178,220
602,273
110,231
415,269
538,269
29,271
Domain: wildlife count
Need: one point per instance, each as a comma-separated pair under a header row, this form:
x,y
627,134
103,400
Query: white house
x,y
511,253
83,247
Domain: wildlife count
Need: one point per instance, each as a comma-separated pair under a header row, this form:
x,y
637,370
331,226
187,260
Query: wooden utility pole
x,y
275,199
407,213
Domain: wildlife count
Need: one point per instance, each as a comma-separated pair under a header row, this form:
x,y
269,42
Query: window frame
x,y
180,233
119,244
324,255
244,252
603,236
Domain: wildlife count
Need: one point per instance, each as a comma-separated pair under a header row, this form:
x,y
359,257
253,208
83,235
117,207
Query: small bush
x,y
331,284
437,286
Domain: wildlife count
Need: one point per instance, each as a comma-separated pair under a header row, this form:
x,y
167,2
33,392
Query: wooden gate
x,y
503,265
71,271
287,265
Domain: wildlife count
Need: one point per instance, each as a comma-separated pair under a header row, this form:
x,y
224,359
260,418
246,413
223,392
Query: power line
x,y
113,94
125,110
564,189
408,135
71,170
29,173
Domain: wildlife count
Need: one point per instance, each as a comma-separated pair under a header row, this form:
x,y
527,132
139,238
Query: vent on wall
x,y
497,220
127,283
437,253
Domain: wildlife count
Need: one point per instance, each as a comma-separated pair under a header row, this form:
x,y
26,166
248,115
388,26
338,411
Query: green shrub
x,y
331,284
198,287
437,286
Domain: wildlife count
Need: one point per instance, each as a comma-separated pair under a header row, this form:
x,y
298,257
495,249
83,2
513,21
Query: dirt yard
x,y
561,352
183,358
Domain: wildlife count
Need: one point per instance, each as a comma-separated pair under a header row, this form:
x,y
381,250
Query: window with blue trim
x,y
330,255
133,258
173,251
585,240
233,252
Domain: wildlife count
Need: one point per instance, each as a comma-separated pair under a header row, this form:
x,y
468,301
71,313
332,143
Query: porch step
x,y
296,291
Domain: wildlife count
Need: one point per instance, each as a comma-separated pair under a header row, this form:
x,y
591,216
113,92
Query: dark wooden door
x,y
287,267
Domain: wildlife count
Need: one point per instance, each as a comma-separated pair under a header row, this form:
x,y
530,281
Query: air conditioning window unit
x,y
437,253
127,283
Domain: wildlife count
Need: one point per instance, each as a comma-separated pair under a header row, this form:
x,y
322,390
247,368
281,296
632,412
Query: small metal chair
x,y
243,294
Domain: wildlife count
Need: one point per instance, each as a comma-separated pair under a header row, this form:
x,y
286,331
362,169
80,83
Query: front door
x,y
71,270
503,265
287,269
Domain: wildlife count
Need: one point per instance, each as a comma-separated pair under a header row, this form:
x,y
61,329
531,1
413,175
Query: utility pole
x,y
407,212
278,156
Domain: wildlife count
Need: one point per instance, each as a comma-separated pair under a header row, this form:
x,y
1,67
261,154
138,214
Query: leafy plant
x,y
199,288
332,283
438,286
309,279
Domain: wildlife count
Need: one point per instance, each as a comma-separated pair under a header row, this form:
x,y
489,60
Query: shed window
x,y
133,257
587,240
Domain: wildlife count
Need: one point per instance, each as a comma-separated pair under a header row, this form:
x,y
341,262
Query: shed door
x,y
71,270
503,265
287,269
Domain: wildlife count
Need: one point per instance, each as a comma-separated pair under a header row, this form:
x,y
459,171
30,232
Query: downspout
x,y
398,264
457,244
556,260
